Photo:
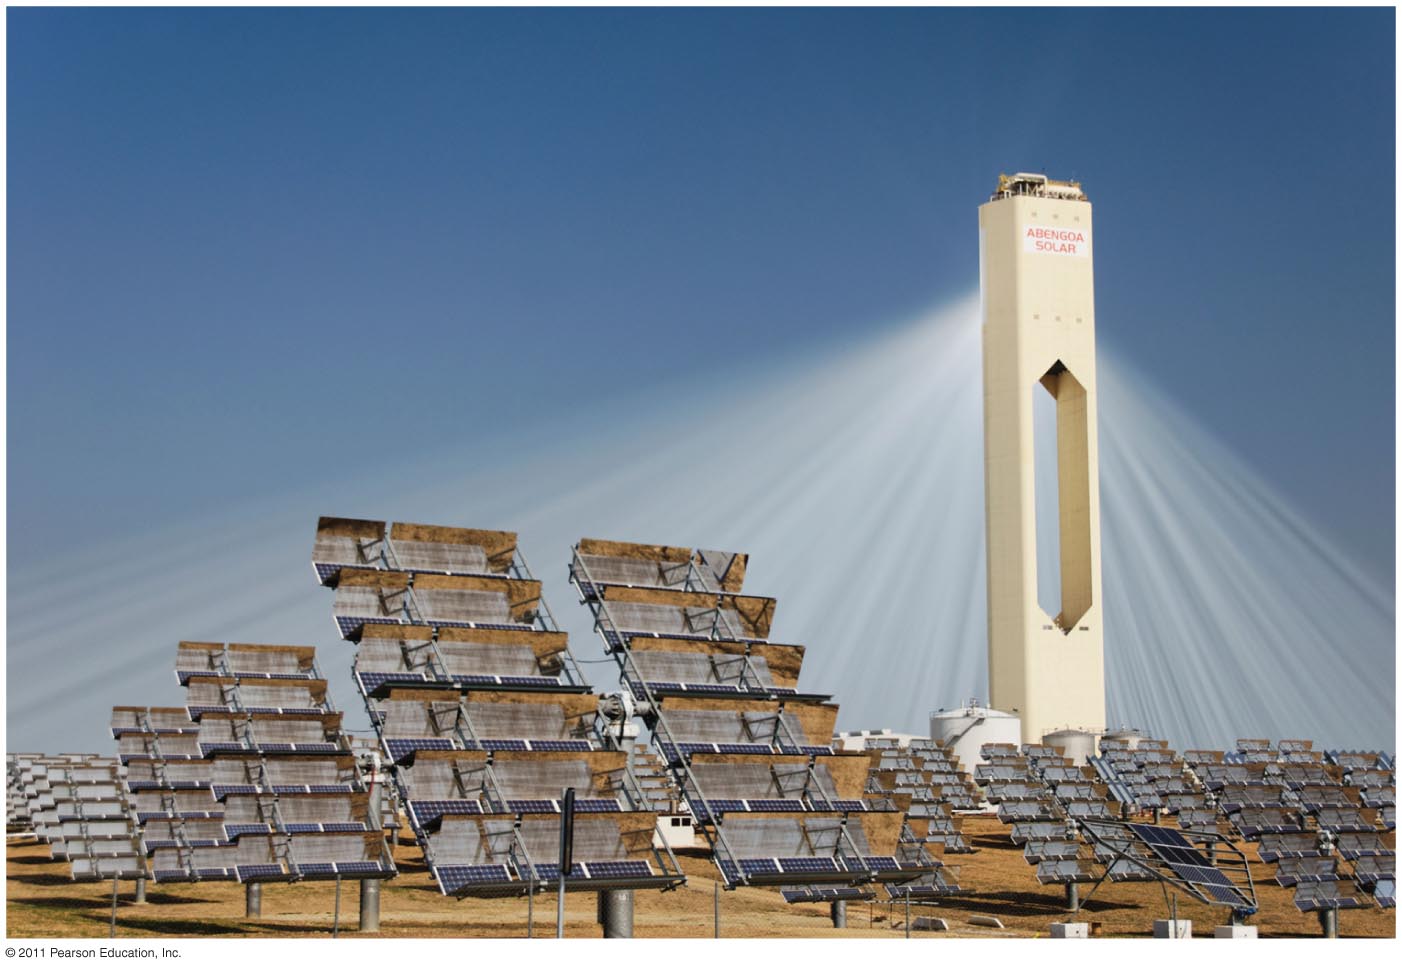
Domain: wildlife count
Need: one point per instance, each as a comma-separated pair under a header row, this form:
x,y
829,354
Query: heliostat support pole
x,y
253,900
566,857
370,905
1329,922
116,884
140,891
617,913
839,914
370,887
1073,897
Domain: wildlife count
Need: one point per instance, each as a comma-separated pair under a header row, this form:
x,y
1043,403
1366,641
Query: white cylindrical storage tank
x,y
1128,735
970,727
1078,745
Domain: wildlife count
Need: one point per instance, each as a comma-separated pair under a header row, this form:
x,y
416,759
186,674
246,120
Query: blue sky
x,y
256,253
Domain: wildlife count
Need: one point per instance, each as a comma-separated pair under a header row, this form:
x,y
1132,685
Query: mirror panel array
x,y
747,750
253,779
1325,819
77,804
924,779
482,714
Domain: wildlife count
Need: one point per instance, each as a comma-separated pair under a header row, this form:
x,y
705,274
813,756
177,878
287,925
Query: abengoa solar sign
x,y
1047,238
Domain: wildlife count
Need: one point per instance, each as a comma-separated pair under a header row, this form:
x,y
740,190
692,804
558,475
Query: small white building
x,y
859,739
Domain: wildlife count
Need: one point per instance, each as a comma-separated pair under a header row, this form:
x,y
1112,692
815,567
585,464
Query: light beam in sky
x,y
853,479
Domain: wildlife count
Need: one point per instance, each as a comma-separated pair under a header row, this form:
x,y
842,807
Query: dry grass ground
x,y
43,903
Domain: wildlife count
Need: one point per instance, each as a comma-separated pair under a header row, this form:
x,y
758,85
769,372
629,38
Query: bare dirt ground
x,y
41,902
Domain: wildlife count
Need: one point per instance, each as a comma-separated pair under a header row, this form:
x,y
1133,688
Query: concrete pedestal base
x,y
1070,930
1234,932
1171,929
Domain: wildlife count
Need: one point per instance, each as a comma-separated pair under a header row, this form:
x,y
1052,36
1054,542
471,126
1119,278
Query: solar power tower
x,y
1039,337
252,781
747,750
485,718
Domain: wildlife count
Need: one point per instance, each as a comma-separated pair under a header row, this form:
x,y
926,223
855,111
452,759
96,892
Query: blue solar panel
x,y
532,806
849,804
370,682
555,745
317,870
1154,835
222,791
618,869
246,872
551,873
401,749
360,868
530,681
809,866
426,812
475,679
1189,864
499,744
596,805
816,750
350,626
238,830
881,863
207,750
303,828
773,804
759,866
453,878
742,748
793,895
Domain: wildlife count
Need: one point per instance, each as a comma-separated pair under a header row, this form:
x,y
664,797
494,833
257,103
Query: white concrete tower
x,y
1039,329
